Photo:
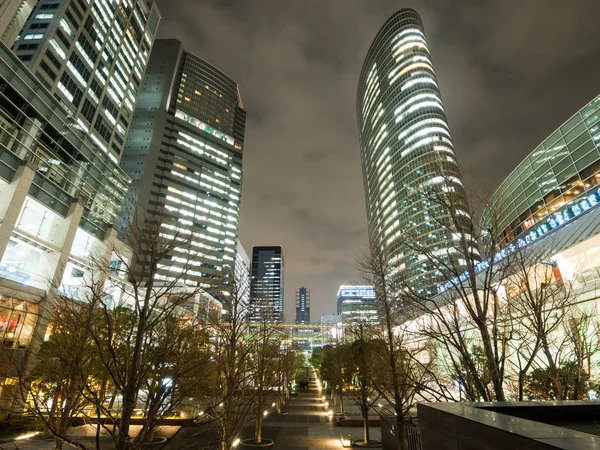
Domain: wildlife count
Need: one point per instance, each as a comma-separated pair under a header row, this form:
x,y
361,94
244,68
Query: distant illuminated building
x,y
331,319
302,305
356,305
266,288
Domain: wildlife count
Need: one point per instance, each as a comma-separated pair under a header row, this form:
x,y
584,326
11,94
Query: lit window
x,y
187,99
197,93
29,37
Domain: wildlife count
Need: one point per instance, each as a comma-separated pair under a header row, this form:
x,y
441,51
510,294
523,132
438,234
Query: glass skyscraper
x,y
184,156
407,154
91,55
356,305
266,291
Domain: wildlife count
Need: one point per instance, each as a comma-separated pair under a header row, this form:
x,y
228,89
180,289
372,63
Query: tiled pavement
x,y
306,426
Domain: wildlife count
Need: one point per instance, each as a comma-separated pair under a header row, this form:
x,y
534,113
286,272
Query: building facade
x,y
553,184
91,56
242,273
331,319
59,197
356,305
407,154
302,305
184,156
13,15
266,291
546,215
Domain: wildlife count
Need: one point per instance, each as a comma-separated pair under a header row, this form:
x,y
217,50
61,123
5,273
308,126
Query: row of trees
x,y
504,326
110,365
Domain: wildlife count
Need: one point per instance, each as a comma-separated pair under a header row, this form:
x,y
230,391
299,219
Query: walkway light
x,y
265,413
236,442
330,412
27,436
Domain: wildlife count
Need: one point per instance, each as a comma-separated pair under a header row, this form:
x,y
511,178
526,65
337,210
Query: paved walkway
x,y
307,425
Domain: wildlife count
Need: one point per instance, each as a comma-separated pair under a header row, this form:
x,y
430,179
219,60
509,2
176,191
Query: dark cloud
x,y
510,73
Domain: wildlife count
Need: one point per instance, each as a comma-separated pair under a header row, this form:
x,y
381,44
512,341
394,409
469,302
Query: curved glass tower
x,y
407,154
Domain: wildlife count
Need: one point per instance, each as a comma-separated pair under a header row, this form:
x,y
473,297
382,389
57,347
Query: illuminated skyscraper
x,y
266,293
356,305
91,55
302,305
407,153
184,156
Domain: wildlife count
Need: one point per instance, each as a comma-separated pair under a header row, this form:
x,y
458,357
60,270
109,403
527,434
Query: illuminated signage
x,y
551,223
204,127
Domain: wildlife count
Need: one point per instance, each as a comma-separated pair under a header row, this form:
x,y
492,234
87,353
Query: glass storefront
x,y
17,322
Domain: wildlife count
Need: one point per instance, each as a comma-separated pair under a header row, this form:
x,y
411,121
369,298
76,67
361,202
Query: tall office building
x,y
407,153
13,15
356,305
266,293
302,305
59,197
242,273
91,55
184,156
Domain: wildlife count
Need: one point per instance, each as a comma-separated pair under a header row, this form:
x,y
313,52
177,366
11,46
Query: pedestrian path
x,y
307,425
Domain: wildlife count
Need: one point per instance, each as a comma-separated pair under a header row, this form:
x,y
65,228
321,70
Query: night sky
x,y
510,73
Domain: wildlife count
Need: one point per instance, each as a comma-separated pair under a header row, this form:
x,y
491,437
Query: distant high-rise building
x,y
407,155
266,293
302,305
13,15
184,156
356,305
242,273
91,55
331,319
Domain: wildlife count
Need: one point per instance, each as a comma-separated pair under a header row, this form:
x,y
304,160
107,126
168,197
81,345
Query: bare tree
x,y
130,340
364,372
464,318
264,353
335,366
286,372
231,407
537,305
54,388
122,338
404,366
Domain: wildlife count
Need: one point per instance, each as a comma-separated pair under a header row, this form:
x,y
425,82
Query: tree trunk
x,y
366,435
521,383
258,428
401,434
127,411
553,369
